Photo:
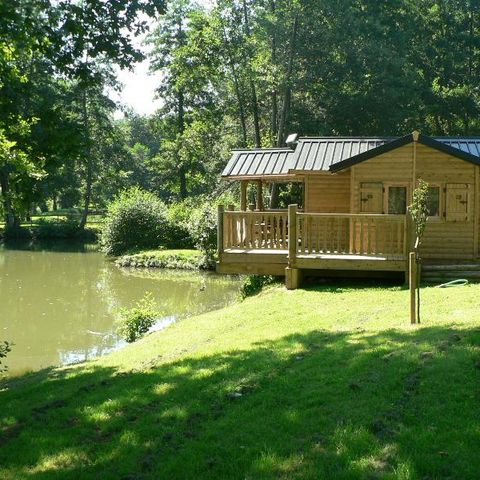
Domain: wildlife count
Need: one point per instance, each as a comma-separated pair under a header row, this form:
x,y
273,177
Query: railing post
x,y
292,234
220,230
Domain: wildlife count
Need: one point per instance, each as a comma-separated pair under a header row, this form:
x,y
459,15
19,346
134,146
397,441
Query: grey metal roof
x,y
317,154
469,145
249,163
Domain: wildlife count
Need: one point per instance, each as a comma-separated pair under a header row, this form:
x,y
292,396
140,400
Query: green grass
x,y
183,259
323,382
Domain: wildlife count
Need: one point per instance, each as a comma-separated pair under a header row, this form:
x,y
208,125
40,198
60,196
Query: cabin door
x,y
371,197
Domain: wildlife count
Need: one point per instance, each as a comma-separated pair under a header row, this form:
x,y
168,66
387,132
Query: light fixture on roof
x,y
291,139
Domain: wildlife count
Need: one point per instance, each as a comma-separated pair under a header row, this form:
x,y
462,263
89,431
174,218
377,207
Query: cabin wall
x,y
327,192
444,239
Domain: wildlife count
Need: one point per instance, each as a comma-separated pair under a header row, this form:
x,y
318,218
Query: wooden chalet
x,y
353,214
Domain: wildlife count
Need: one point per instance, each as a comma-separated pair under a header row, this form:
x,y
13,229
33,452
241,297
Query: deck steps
x,y
442,273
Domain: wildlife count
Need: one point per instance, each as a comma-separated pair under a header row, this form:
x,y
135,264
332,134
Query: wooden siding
x,y
327,193
443,239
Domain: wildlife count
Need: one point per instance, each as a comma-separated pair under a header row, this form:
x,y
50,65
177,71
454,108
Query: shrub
x,y
254,283
203,230
178,216
5,348
137,321
135,220
56,228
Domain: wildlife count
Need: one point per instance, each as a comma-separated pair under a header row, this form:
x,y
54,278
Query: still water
x,y
59,305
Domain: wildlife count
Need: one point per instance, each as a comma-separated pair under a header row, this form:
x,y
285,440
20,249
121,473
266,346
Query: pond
x,y
59,305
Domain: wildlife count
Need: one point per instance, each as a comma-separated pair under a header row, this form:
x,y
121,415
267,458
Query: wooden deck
x,y
261,242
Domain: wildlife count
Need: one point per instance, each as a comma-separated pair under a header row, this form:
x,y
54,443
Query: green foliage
x,y
179,214
5,348
135,220
176,259
51,228
137,321
419,209
254,284
203,230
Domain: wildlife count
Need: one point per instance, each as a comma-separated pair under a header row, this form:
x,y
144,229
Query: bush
x,y
135,220
203,230
56,228
137,321
5,347
254,283
179,215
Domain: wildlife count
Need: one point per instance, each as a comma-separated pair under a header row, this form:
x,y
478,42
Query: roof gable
x,y
467,149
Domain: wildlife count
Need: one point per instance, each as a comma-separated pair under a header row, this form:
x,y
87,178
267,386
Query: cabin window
x,y
457,202
371,197
433,201
397,200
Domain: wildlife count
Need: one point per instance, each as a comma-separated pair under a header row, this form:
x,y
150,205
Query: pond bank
x,y
171,259
326,382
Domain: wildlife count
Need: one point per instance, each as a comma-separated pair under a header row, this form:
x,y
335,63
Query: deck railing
x,y
316,233
351,234
256,230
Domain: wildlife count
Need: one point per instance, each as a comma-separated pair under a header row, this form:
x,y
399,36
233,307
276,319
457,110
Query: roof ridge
x,y
348,137
267,149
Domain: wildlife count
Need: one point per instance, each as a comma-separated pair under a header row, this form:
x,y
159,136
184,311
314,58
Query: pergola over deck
x,y
288,241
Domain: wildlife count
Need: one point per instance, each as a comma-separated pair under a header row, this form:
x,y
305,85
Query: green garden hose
x,y
454,283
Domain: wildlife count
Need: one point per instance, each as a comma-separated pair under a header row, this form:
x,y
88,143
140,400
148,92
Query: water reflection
x,y
59,306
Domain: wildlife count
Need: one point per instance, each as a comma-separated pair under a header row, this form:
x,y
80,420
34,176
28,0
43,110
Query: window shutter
x,y
371,197
458,202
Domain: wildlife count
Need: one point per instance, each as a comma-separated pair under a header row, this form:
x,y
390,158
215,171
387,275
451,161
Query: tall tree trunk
x,y
287,96
236,85
255,109
274,96
11,219
88,160
182,173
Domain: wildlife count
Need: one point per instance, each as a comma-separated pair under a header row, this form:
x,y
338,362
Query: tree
x,y
418,211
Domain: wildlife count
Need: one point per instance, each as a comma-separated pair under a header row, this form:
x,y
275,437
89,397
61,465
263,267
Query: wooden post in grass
x,y
292,274
220,230
412,276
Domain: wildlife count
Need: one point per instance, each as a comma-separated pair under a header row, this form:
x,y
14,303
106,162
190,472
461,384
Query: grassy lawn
x,y
323,382
184,259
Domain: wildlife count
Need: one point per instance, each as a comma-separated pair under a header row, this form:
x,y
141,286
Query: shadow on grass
x,y
321,405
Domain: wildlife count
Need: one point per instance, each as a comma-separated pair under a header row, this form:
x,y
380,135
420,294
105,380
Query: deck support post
x,y
259,195
292,274
220,230
243,195
293,277
413,286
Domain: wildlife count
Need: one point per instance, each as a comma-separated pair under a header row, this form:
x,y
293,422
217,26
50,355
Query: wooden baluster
x,y
399,239
234,231
292,233
339,234
369,235
361,236
268,230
